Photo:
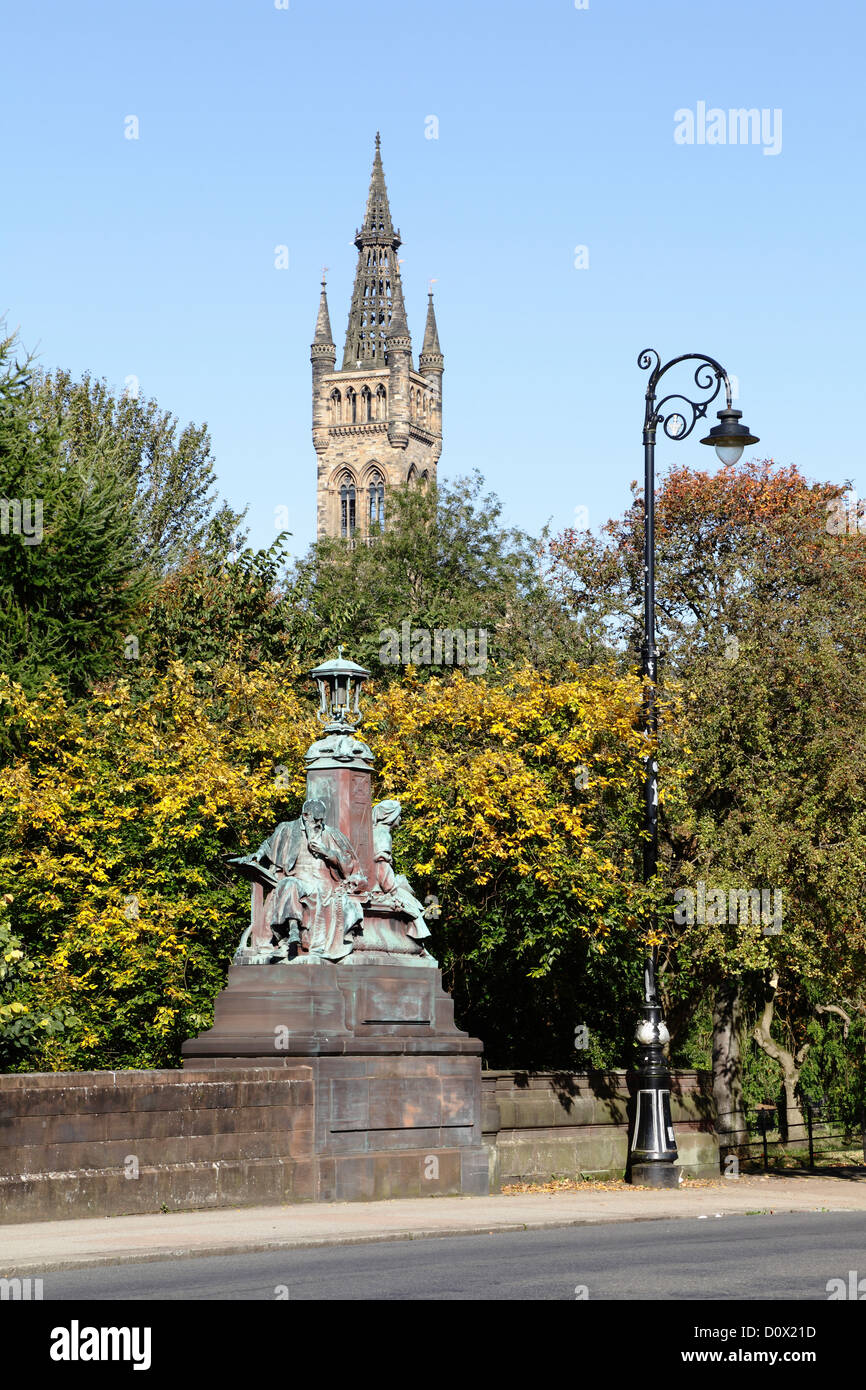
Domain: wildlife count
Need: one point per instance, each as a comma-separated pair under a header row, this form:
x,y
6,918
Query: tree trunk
x,y
789,1064
727,1064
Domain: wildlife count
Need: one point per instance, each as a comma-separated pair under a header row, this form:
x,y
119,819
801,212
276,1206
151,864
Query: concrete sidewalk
x,y
52,1245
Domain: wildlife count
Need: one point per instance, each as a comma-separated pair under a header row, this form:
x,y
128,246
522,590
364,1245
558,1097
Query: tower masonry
x,y
377,422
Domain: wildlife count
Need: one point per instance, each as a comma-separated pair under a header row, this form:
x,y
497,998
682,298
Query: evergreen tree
x,y
71,573
219,605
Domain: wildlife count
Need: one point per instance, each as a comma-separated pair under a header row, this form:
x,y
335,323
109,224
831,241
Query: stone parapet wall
x,y
542,1125
108,1143
246,1132
239,1134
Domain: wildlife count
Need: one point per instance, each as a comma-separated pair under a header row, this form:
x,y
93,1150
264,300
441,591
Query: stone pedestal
x,y
345,792
313,1008
396,1085
339,774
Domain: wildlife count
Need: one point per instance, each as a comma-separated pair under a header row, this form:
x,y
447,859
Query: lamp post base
x,y
655,1175
653,1147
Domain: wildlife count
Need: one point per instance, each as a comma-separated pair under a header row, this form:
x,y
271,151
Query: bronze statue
x,y
386,818
324,886
313,872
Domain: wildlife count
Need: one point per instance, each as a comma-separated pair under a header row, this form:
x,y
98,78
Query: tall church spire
x,y
377,293
378,218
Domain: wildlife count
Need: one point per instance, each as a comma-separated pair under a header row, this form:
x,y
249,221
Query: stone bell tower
x,y
377,422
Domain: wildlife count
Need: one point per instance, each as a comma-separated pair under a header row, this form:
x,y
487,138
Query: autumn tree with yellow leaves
x,y
520,804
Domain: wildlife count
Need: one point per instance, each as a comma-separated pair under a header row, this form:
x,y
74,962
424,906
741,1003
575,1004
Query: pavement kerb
x,y
255,1247
847,1197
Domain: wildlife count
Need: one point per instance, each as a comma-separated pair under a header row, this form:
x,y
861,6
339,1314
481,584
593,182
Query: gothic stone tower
x,y
377,423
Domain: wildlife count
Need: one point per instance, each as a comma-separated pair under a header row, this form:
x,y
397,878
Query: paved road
x,y
762,1257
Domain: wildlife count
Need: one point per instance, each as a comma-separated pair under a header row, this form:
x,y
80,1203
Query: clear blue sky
x,y
155,257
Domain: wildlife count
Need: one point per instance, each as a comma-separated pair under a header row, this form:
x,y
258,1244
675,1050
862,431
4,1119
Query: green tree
x,y
219,605
445,561
27,1026
70,568
168,471
762,617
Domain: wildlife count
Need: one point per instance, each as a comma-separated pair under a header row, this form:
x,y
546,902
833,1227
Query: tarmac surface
x,y
788,1256
40,1247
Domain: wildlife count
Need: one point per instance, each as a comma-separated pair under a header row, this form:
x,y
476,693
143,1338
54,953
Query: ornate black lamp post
x,y
653,1148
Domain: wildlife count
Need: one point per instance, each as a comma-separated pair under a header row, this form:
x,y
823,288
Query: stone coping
x,y
33,1080
618,1077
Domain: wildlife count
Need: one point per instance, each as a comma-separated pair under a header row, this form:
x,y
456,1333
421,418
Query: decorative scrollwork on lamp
x,y
729,438
340,683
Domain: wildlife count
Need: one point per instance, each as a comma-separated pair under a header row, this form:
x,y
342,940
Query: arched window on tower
x,y
335,407
381,403
376,492
366,404
351,406
347,507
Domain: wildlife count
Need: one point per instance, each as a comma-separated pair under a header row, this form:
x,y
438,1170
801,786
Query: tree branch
x,y
835,1009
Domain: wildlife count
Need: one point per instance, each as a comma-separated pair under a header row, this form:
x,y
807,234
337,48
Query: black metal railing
x,y
821,1137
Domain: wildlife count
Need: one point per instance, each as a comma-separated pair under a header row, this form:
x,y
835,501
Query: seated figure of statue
x,y
386,818
314,871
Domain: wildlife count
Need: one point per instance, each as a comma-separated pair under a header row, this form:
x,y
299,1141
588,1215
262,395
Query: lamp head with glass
x,y
729,438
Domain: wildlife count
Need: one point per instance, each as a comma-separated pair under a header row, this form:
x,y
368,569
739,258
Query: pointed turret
x,y
431,363
430,346
323,336
399,328
377,279
400,365
323,355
